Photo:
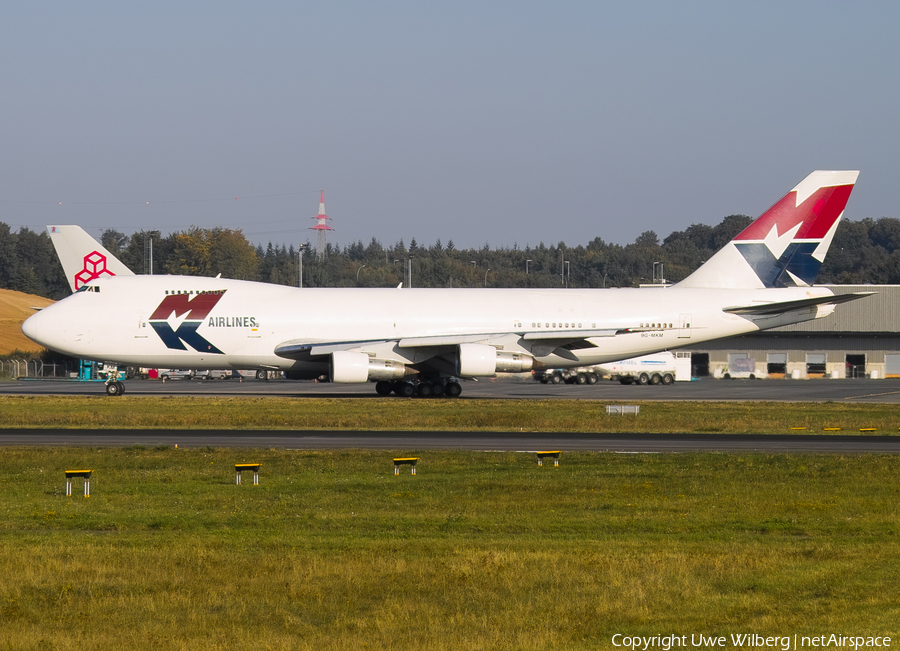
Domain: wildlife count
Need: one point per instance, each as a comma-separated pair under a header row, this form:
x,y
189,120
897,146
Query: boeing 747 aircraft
x,y
423,341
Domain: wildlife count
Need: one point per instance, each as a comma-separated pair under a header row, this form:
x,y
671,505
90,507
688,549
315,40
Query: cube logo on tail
x,y
94,267
197,308
786,246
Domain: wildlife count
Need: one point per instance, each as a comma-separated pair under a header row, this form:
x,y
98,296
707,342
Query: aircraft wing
x,y
542,342
298,349
762,309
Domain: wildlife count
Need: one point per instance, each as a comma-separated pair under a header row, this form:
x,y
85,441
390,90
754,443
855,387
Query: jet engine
x,y
350,367
474,360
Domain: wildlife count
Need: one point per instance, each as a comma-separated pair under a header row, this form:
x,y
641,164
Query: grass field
x,y
477,551
15,307
394,414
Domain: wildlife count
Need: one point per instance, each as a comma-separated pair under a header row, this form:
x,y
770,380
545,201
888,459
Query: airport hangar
x,y
860,339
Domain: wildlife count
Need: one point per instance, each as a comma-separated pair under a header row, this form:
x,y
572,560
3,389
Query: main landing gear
x,y
424,389
115,388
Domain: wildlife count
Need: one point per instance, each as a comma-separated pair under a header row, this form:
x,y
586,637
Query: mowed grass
x,y
101,412
477,551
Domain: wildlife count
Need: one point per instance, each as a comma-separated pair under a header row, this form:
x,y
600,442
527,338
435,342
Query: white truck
x,y
658,368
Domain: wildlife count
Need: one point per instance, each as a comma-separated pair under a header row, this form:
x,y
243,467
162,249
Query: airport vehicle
x,y
214,374
581,375
423,341
648,369
658,368
175,374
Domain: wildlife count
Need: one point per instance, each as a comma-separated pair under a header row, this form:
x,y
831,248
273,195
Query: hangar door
x,y
892,365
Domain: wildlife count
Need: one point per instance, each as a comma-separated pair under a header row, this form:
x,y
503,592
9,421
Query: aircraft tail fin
x,y
82,258
786,245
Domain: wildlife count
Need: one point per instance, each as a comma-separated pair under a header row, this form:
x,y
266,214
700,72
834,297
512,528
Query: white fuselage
x,y
112,322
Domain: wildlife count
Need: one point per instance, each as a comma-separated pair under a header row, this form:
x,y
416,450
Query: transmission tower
x,y
321,227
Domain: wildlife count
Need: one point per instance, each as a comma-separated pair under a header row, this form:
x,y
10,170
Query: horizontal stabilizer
x,y
789,306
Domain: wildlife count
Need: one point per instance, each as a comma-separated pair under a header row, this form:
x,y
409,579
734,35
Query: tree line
x,y
865,251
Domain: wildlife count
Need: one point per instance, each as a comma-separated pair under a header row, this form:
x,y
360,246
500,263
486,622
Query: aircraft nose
x,y
33,327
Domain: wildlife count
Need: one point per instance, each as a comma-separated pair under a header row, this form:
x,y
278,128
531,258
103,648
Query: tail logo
x,y
94,267
786,246
197,308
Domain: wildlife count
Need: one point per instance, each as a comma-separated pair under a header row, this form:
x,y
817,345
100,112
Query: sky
x,y
500,123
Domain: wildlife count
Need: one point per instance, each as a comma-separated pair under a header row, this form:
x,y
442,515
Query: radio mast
x,y
321,227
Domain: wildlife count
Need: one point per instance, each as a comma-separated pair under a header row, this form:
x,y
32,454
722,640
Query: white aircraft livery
x,y
423,341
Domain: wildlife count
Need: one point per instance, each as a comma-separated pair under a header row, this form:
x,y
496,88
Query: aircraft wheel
x,y
262,375
644,379
593,378
405,390
581,378
424,390
555,379
383,388
437,389
121,387
113,389
453,390
655,379
668,379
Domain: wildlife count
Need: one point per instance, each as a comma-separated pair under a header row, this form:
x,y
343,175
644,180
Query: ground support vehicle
x,y
658,368
175,374
583,375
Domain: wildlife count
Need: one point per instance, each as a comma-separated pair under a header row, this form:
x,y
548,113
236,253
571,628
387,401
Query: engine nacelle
x,y
476,359
351,367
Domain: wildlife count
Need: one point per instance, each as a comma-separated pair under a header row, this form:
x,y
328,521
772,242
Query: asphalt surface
x,y
857,391
849,391
505,441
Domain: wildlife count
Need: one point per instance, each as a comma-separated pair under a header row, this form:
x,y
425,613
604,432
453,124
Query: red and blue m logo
x,y
197,308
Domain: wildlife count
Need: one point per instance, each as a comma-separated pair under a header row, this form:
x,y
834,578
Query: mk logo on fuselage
x,y
197,308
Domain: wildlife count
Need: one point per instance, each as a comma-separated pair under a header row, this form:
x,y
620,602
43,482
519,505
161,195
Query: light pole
x,y
410,272
357,273
300,249
526,266
485,276
567,274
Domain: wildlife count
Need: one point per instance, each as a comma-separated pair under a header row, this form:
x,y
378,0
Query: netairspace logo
x,y
749,641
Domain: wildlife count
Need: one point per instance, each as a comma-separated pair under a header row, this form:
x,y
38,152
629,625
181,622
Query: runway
x,y
856,391
483,441
850,391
